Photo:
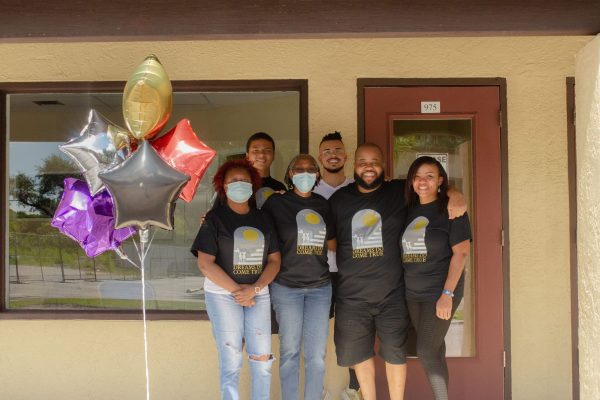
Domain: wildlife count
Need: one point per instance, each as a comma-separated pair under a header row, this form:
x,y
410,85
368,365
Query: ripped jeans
x,y
230,324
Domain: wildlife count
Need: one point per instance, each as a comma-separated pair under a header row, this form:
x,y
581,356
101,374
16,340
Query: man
x,y
369,218
332,157
260,151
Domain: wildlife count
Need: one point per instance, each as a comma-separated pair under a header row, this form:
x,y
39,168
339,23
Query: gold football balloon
x,y
147,99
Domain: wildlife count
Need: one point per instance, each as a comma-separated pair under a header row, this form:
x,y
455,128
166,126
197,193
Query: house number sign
x,y
430,107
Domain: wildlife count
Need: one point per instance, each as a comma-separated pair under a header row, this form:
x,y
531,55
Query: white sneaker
x,y
325,395
351,394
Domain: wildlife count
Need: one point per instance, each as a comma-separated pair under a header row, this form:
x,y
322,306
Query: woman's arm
x,y
460,253
247,292
457,205
332,245
209,268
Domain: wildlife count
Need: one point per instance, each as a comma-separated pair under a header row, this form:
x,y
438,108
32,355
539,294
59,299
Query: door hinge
x,y
500,118
502,237
504,358
574,116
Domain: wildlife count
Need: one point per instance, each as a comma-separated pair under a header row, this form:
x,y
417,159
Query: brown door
x,y
461,127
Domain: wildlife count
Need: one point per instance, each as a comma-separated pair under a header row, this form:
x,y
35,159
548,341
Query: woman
x,y
301,293
238,254
435,250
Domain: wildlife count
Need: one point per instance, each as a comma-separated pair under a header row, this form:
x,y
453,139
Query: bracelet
x,y
448,292
257,289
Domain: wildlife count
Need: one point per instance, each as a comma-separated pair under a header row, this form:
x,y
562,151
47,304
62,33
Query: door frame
x,y
572,171
362,83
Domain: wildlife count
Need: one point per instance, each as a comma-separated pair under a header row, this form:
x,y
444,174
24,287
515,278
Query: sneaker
x,y
325,395
351,394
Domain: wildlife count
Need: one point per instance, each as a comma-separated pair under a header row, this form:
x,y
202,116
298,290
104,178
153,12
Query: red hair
x,y
242,164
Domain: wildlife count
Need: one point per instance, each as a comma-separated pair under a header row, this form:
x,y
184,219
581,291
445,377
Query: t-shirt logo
x,y
248,250
367,239
413,241
262,195
311,232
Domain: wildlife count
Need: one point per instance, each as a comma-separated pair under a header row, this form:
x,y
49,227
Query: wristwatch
x,y
448,292
257,289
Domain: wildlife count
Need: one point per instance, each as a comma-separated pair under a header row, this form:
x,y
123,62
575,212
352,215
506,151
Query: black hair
x,y
412,199
259,136
332,136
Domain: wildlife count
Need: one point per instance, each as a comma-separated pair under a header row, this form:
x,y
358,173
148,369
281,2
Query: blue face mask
x,y
304,181
239,192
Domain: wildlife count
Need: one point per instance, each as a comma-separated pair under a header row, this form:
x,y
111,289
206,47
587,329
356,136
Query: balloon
x,y
88,220
181,149
147,99
100,146
144,189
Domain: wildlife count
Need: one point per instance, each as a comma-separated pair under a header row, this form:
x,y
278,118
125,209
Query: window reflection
x,y
48,270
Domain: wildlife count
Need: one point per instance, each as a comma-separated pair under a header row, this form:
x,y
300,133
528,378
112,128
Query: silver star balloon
x,y
144,189
100,146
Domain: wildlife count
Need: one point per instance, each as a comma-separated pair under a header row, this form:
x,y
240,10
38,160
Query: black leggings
x,y
431,348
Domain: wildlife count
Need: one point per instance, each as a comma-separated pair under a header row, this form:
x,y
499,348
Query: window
x,y
46,270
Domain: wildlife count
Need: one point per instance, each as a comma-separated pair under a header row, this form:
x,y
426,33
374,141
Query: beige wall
x,y
588,223
104,360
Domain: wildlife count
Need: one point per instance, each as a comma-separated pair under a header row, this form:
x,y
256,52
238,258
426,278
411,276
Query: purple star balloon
x,y
88,220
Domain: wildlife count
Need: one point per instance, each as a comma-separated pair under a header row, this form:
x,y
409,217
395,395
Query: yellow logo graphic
x,y
312,218
250,235
370,219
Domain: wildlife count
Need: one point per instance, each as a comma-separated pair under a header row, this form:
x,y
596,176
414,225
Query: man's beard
x,y
368,186
333,170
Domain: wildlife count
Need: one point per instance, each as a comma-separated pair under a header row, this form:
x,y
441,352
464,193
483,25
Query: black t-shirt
x,y
367,229
303,226
240,242
427,249
269,186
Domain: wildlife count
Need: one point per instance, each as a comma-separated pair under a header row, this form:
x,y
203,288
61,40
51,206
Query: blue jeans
x,y
230,324
303,314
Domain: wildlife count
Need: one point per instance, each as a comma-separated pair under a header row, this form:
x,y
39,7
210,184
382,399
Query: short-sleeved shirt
x,y
367,230
427,249
303,227
269,186
239,242
326,190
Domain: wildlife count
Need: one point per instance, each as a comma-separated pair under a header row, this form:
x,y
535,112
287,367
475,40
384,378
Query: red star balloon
x,y
181,149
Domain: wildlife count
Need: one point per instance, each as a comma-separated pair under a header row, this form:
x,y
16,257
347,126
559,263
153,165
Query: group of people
x,y
387,253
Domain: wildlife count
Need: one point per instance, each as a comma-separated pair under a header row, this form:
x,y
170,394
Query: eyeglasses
x,y
300,170
331,152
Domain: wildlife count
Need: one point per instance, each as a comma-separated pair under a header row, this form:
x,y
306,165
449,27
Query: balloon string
x,y
142,252
145,330
125,257
136,248
149,243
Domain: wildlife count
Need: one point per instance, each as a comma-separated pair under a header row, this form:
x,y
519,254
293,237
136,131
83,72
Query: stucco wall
x,y
77,358
588,220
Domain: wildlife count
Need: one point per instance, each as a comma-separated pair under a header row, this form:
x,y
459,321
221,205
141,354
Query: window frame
x,y
265,85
